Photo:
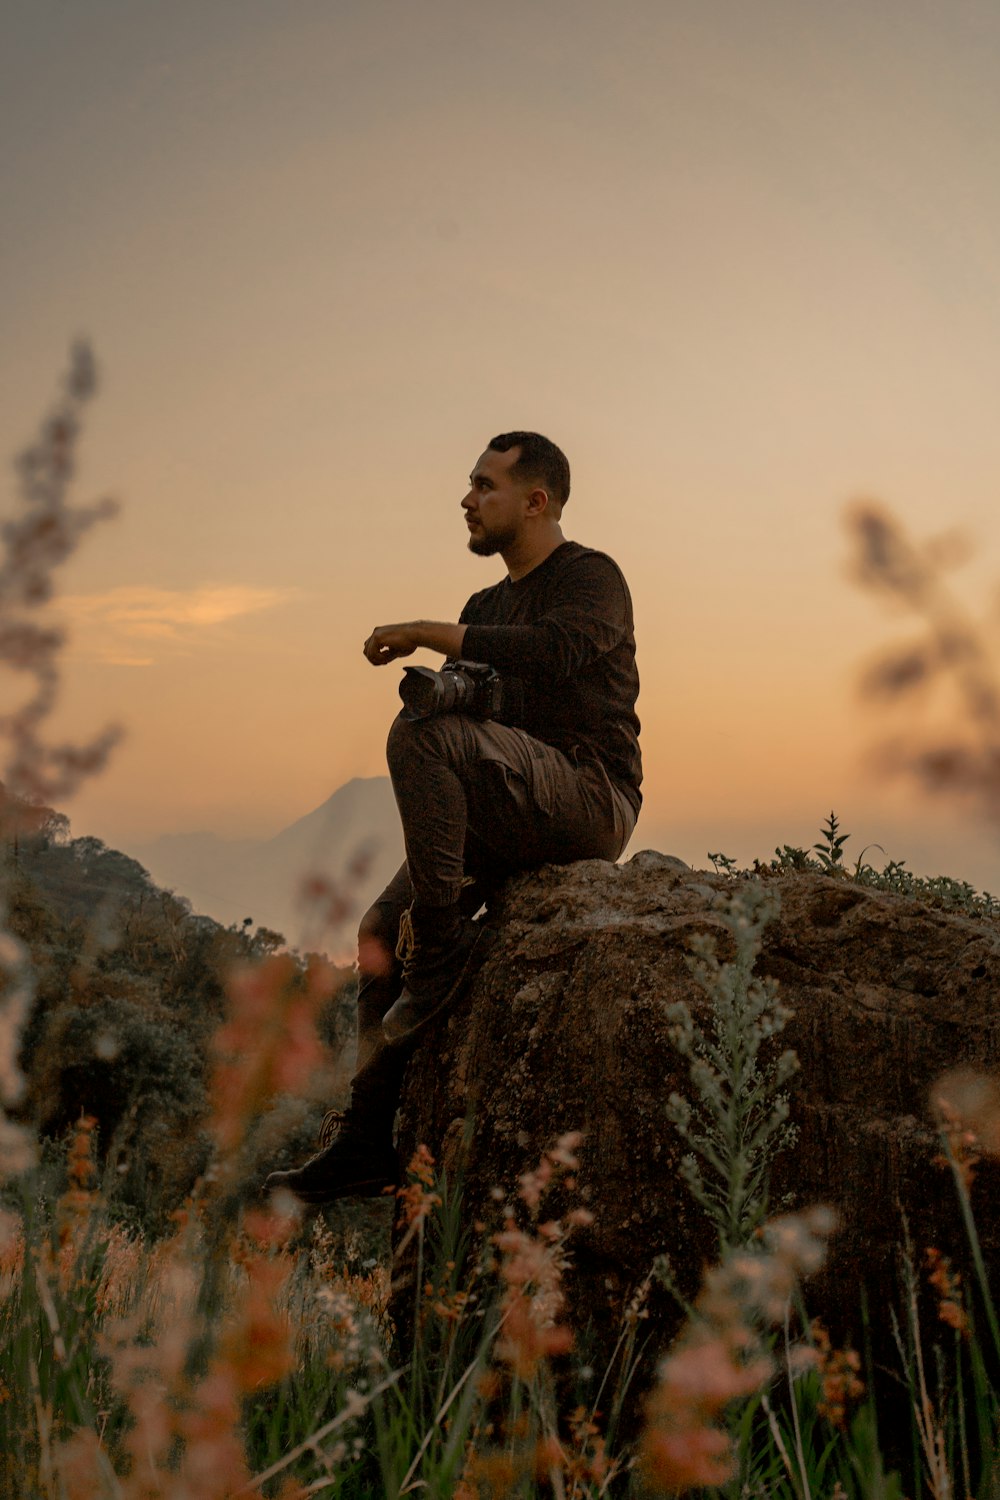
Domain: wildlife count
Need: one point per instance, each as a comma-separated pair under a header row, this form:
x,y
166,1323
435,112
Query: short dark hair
x,y
539,459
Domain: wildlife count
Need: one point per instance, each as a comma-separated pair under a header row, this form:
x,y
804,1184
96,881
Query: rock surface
x,y
565,1028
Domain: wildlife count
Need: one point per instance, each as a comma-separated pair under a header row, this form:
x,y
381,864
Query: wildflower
x,y
531,1266
799,1239
694,1458
273,1228
533,1185
720,1356
18,1148
81,1465
81,1166
493,1473
705,1377
120,1270
548,1455
417,1198
838,1370
421,1167
556,1159
76,1203
948,1285
269,1043
586,1464
257,1345
967,1106
449,1306
681,1447
563,1151
637,1309
11,1238
529,1338
214,1462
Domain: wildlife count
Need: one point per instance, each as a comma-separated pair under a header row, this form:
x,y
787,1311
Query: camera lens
x,y
457,691
420,689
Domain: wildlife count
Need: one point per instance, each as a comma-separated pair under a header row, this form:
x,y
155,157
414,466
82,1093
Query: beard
x,y
492,542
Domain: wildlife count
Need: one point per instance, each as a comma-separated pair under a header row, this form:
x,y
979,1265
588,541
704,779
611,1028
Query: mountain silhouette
x,y
353,842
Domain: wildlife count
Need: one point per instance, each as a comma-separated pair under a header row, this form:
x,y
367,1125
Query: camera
x,y
461,687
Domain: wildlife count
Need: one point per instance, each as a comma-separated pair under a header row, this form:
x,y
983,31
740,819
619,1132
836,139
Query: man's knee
x,y
411,740
400,744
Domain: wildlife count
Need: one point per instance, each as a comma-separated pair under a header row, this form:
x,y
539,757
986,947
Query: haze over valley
x,y
232,879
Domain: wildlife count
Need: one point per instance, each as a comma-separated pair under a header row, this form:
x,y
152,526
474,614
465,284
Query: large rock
x,y
566,1028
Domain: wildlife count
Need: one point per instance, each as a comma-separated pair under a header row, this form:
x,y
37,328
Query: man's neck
x,y
523,557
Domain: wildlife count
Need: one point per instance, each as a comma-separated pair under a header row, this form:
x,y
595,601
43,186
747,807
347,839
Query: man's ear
x,y
538,502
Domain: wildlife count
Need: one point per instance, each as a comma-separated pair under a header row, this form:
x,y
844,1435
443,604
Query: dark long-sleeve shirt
x,y
565,631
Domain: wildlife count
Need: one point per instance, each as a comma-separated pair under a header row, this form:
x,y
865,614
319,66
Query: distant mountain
x,y
231,879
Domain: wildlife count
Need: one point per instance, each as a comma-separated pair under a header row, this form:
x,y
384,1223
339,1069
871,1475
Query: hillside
x,y
129,987
262,878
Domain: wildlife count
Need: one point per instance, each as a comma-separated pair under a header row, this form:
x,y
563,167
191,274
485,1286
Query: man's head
x,y
518,487
537,461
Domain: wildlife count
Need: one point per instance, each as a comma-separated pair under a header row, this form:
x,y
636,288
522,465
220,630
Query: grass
x,y
258,1362
827,857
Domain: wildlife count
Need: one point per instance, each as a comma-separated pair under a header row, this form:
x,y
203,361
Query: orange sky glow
x,y
739,261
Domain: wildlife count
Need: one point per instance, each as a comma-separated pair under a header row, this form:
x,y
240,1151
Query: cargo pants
x,y
478,801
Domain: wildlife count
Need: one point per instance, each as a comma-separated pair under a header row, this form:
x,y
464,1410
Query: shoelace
x,y
332,1121
407,942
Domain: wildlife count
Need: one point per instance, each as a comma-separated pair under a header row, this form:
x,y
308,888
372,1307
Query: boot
x,y
441,950
354,1161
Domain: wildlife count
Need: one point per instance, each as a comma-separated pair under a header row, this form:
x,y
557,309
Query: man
x,y
557,780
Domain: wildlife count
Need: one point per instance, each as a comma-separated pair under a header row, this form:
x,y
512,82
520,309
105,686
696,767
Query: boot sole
x,y
364,1187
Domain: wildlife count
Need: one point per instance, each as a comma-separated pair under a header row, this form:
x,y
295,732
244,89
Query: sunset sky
x,y
738,259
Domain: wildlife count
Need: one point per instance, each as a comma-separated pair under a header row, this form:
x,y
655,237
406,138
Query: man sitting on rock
x,y
554,779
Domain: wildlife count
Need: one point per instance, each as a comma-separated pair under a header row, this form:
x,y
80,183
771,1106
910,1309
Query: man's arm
x,y
387,642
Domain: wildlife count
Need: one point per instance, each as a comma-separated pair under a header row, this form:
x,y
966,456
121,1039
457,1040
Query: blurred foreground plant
x,y
291,1392
35,541
723,1356
961,756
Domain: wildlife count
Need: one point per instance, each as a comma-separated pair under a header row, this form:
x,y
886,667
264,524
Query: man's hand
x,y
387,642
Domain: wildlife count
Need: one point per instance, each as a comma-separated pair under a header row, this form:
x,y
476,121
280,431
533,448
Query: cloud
x,y
123,625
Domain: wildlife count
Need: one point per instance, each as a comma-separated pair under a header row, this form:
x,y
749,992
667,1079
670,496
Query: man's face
x,y
495,505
